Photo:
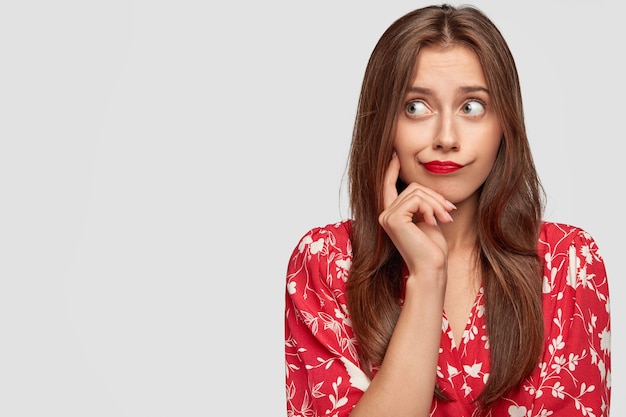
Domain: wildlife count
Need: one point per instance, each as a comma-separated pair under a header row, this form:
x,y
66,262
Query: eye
x,y
473,108
416,108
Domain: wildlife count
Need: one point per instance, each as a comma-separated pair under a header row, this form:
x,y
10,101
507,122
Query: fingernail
x,y
450,204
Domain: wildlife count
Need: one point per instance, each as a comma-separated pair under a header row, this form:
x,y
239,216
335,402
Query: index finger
x,y
390,192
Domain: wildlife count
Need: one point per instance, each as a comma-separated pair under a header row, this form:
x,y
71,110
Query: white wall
x,y
160,159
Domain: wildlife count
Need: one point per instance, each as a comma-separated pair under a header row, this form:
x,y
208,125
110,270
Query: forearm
x,y
405,382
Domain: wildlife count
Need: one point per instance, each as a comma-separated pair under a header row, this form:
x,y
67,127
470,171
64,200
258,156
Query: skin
x,y
447,116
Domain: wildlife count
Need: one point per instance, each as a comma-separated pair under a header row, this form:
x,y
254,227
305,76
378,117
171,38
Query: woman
x,y
445,294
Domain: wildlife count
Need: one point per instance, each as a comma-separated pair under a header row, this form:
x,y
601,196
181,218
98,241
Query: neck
x,y
461,233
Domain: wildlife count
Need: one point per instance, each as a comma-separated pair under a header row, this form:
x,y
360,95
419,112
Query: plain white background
x,y
160,159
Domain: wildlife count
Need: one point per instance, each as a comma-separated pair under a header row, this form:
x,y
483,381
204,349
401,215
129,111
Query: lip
x,y
442,167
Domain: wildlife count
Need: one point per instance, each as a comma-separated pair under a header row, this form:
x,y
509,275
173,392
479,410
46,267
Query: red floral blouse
x,y
324,378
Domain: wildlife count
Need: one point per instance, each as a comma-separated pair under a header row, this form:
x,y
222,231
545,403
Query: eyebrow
x,y
464,89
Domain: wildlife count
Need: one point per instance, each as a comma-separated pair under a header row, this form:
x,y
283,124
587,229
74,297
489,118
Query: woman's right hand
x,y
406,379
411,221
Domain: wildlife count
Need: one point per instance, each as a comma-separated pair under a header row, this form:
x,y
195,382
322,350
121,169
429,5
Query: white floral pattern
x,y
573,378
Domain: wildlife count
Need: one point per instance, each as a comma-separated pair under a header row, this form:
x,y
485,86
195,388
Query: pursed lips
x,y
442,167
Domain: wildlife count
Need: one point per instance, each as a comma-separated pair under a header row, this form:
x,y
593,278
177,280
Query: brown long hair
x,y
509,209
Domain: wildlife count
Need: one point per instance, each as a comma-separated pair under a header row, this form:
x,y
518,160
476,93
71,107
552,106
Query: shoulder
x,y
324,240
571,260
559,238
552,232
321,259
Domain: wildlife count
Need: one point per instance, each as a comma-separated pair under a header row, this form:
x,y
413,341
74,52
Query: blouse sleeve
x,y
574,377
322,373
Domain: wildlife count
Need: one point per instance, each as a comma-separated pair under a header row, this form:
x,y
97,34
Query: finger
x,y
427,205
424,207
440,199
390,192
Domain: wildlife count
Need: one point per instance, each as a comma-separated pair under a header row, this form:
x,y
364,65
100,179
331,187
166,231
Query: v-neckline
x,y
468,322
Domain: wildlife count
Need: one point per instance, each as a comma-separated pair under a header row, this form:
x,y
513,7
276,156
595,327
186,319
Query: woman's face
x,y
447,134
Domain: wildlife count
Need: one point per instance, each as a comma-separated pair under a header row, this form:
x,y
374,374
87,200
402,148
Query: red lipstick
x,y
442,167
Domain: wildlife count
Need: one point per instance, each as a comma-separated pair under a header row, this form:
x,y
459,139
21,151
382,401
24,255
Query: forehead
x,y
448,64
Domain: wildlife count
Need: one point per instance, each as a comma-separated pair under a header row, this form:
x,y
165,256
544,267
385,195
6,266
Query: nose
x,y
446,136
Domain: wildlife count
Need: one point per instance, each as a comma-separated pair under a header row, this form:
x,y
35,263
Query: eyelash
x,y
471,99
476,100
412,102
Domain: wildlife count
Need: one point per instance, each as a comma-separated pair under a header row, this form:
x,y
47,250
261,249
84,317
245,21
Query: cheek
x,y
408,139
493,139
491,151
497,142
406,156
403,132
399,138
